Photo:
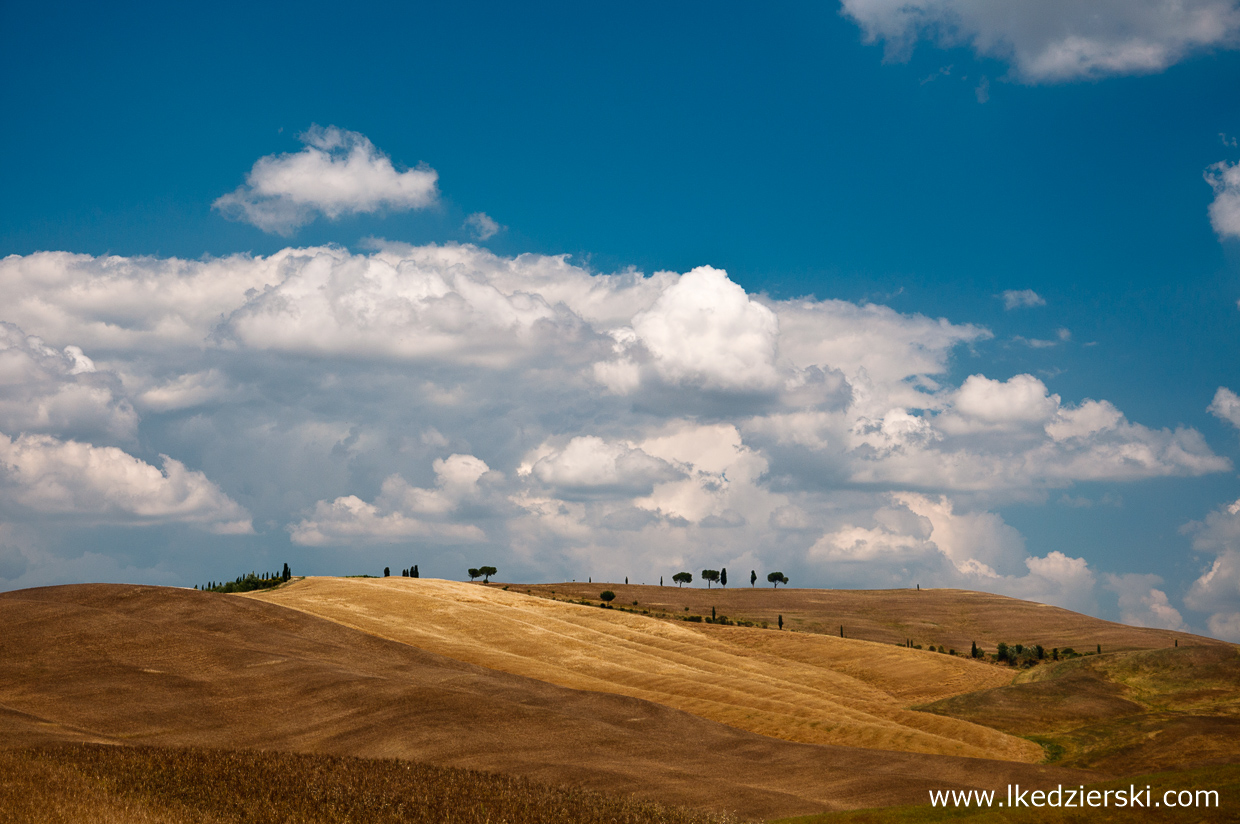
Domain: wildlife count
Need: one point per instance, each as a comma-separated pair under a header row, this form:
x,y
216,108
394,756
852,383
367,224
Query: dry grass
x,y
104,784
943,617
122,664
799,687
1123,713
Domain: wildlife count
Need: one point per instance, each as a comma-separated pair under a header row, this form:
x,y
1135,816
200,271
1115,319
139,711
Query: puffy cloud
x,y
704,330
107,485
1226,406
401,511
337,173
1019,298
1018,401
48,390
589,465
482,226
923,539
1224,211
1217,590
1142,604
117,303
813,435
1061,40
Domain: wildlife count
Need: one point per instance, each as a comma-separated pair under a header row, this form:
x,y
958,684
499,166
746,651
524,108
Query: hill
x,y
1124,712
145,665
953,618
806,688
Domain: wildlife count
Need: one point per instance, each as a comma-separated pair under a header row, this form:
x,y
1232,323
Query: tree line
x,y
720,576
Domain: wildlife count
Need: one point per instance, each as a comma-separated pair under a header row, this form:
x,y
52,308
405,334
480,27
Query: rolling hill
x,y
124,664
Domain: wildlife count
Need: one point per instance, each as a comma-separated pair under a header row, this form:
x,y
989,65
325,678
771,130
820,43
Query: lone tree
x,y
387,571
474,573
486,573
753,577
709,575
723,577
682,578
781,622
607,595
777,578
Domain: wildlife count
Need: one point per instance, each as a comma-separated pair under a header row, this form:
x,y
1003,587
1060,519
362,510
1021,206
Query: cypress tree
x,y
781,622
723,577
387,571
415,571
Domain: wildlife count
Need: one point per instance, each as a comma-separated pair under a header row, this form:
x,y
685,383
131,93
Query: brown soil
x,y
130,664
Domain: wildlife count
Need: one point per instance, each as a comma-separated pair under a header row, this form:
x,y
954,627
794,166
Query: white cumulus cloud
x,y
337,173
1224,210
108,485
1226,406
401,511
1048,41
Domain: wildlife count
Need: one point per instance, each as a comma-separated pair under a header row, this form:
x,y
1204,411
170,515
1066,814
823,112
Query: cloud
x,y
565,420
1224,211
1020,298
1142,604
401,511
1058,41
108,486
588,465
43,389
1226,406
337,173
703,331
482,226
1217,590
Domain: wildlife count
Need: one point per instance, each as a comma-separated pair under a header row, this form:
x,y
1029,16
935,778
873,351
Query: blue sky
x,y
840,153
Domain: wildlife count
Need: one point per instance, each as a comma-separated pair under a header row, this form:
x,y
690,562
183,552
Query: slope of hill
x,y
147,665
943,617
1123,712
807,688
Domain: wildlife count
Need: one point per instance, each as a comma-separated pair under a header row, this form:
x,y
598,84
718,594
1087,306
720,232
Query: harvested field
x,y
943,617
95,784
147,665
812,689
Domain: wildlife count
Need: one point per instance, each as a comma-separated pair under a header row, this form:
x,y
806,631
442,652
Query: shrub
x,y
607,595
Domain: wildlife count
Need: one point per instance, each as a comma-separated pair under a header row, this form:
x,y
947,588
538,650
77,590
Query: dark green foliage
x,y
1100,649
974,652
723,577
474,573
1002,653
486,572
288,573
781,622
607,595
246,583
753,577
414,574
1040,652
777,578
709,575
387,572
682,578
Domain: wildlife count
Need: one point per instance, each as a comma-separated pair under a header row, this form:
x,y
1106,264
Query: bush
x,y
608,596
